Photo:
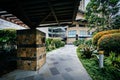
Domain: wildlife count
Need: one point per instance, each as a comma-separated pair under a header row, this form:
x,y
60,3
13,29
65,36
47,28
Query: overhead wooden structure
x,y
39,13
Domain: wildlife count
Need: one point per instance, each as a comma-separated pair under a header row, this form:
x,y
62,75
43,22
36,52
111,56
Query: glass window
x,y
83,32
72,33
90,33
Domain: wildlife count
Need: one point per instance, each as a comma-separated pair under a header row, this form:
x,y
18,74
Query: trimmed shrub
x,y
56,43
88,42
110,42
62,44
100,34
78,42
52,44
48,43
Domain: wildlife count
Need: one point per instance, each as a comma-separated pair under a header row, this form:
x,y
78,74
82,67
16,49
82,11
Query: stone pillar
x,y
31,49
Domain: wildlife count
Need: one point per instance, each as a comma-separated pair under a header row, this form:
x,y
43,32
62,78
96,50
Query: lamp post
x,y
101,59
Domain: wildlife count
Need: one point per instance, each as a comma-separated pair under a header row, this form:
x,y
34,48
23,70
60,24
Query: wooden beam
x,y
29,3
36,7
53,12
38,14
64,11
54,25
59,21
19,12
3,12
63,8
13,17
76,5
5,15
45,18
37,10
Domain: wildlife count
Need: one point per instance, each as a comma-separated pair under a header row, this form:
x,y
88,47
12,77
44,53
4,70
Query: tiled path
x,y
61,64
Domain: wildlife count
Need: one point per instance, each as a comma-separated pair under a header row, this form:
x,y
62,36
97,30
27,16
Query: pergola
x,y
39,13
31,51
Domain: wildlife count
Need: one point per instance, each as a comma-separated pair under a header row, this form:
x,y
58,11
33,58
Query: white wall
x,y
45,30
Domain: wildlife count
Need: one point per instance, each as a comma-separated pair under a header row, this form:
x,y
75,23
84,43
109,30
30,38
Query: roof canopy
x,y
39,13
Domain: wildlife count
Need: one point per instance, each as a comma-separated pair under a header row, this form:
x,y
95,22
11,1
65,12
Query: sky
x,y
86,2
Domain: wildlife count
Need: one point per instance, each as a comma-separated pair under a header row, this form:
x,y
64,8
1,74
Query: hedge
x,y
100,34
7,36
78,42
52,44
110,42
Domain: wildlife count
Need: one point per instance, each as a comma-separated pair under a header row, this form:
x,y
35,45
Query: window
x,y
83,32
89,33
72,33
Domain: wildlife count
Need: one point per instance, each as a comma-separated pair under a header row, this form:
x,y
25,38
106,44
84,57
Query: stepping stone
x,y
55,63
68,69
62,59
39,77
52,59
29,78
54,71
66,76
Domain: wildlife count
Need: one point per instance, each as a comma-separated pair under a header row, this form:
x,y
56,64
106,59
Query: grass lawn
x,y
92,67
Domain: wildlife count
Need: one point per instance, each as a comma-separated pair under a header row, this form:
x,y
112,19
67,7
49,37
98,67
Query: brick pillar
x,y
31,49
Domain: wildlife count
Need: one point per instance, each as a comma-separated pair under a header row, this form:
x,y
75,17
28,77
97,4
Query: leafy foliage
x,y
52,44
78,42
116,22
88,42
100,13
7,38
113,60
86,49
107,73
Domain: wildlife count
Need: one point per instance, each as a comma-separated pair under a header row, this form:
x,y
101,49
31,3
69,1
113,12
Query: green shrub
x,y
56,43
52,44
88,42
113,60
85,51
78,42
62,44
51,47
8,39
110,42
48,41
100,34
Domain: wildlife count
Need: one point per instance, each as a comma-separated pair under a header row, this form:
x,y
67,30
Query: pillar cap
x,y
101,52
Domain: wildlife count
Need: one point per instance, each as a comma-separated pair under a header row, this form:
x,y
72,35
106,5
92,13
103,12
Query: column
x,y
31,49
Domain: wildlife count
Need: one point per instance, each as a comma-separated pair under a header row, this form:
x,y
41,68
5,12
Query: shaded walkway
x,y
62,64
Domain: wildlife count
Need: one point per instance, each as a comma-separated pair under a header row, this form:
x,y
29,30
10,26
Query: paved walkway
x,y
61,64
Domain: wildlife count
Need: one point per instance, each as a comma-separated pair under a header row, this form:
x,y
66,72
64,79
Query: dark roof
x,y
36,13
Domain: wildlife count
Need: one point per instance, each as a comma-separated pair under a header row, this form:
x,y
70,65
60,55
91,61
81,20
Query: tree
x,y
116,22
99,13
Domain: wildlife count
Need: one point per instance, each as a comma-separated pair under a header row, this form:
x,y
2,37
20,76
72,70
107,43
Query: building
x,y
57,32
79,29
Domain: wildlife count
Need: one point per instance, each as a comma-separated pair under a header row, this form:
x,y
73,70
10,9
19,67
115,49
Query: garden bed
x,y
92,67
